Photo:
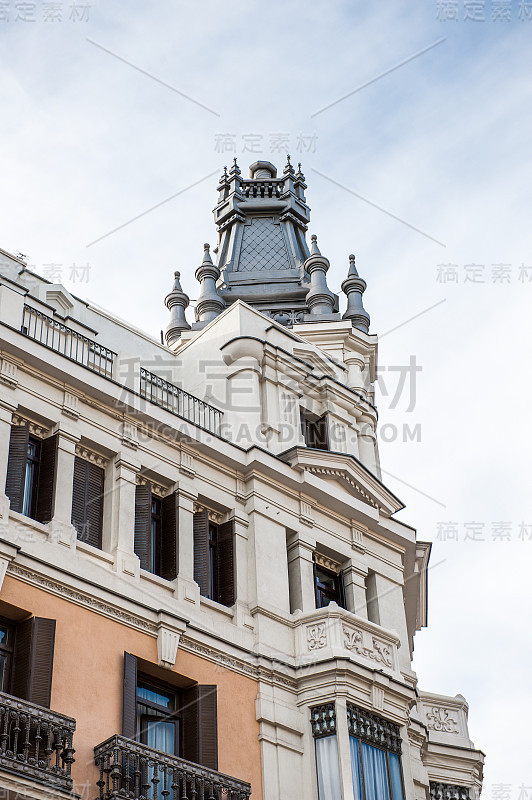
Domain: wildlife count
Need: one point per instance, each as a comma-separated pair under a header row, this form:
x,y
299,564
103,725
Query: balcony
x,y
134,771
69,343
36,743
179,402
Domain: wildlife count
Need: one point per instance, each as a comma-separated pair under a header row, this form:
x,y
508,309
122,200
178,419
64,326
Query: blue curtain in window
x,y
375,773
395,775
355,769
161,736
328,769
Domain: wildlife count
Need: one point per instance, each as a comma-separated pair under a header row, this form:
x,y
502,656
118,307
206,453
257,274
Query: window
x,y
329,586
323,721
7,639
30,480
156,532
87,501
214,558
26,659
375,745
314,430
174,720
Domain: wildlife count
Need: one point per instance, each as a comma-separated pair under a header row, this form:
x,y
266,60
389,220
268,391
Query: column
x,y
187,588
392,615
344,750
119,513
61,528
355,588
241,554
355,376
366,444
300,549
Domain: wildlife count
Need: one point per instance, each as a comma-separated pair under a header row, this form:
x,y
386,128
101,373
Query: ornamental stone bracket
x,y
8,553
445,718
169,631
333,632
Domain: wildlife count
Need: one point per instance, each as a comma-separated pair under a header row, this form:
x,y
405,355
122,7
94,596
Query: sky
x,y
412,121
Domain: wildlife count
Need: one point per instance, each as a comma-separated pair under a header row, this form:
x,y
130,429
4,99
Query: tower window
x,y
329,587
314,430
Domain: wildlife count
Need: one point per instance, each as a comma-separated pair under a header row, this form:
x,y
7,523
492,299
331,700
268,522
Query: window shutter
x,y
95,486
201,551
33,660
200,725
321,433
143,526
129,714
226,564
341,586
16,465
169,533
46,490
79,496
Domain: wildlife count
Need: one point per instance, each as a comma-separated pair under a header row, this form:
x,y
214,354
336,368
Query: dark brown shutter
x,y
129,714
46,490
201,551
33,660
341,586
226,564
169,533
16,465
96,477
200,726
321,433
143,526
79,496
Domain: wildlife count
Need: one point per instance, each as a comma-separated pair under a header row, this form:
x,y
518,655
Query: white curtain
x,y
355,768
375,773
328,769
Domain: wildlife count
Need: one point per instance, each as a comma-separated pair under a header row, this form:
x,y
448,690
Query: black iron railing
x,y
35,742
447,791
179,402
53,334
133,771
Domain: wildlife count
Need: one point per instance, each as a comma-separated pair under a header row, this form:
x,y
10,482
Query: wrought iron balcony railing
x,y
68,342
133,771
36,742
179,402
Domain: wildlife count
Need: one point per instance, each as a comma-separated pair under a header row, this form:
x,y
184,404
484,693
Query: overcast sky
x,y
426,165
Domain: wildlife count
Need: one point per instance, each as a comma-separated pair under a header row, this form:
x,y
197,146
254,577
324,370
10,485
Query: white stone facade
x,y
291,505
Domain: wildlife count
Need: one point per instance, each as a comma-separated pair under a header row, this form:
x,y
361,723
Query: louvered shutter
x,y
201,551
79,496
33,660
341,586
143,543
169,533
226,564
16,465
46,490
95,486
129,714
200,726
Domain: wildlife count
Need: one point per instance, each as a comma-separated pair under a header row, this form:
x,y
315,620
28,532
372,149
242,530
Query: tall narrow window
x,y
156,532
7,640
214,558
329,586
87,501
181,722
30,480
323,721
315,430
375,745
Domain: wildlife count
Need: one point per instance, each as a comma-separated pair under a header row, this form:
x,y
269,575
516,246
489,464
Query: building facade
x,y
204,591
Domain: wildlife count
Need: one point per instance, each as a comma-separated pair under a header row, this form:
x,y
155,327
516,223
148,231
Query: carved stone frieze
x,y
316,636
440,719
380,651
91,455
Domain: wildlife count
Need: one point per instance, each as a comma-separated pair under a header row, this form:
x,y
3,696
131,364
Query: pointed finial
x,y
225,169
209,303
354,287
314,249
352,268
176,302
207,253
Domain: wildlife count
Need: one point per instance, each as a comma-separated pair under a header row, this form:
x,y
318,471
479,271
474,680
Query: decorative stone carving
x,y
316,636
214,516
381,652
186,465
35,429
167,644
70,405
305,513
157,488
90,455
327,563
8,373
129,435
439,719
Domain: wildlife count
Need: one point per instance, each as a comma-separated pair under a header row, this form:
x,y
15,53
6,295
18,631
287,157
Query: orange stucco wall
x,y
88,675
